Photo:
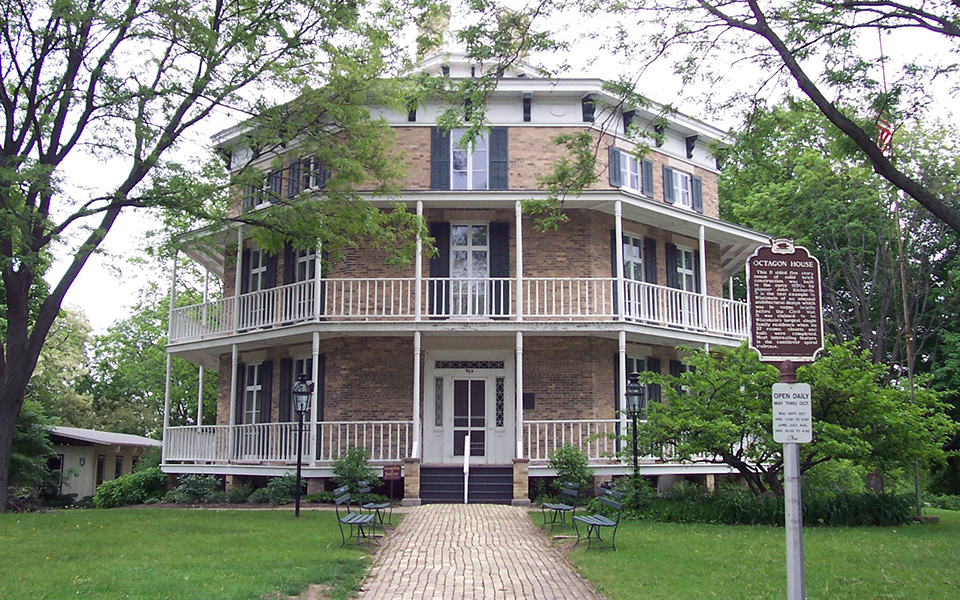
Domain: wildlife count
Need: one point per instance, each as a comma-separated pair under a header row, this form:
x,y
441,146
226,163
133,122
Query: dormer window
x,y
589,106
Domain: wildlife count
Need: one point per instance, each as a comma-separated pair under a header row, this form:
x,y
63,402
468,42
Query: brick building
x,y
517,340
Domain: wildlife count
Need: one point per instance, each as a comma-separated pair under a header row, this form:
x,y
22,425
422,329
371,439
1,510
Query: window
x,y
686,270
468,166
118,467
306,265
527,107
633,258
134,461
252,394
588,105
267,192
313,174
682,189
627,171
630,170
301,366
101,468
469,269
257,276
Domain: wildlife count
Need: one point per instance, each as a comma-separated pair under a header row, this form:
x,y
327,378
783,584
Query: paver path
x,y
452,551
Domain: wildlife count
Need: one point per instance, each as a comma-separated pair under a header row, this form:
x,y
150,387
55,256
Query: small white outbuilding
x,y
87,457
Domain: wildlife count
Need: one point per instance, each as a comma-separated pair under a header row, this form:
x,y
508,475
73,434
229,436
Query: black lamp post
x,y
301,401
636,405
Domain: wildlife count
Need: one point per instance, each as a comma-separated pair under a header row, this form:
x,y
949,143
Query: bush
x,y
946,502
259,496
195,488
638,495
319,498
352,467
238,494
281,490
571,465
132,488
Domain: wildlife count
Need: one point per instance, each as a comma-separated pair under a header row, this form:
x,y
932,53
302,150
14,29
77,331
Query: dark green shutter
x,y
275,182
249,197
289,264
673,279
616,396
266,391
439,159
653,366
321,378
613,158
696,272
293,179
697,194
271,273
500,267
238,400
668,185
286,397
649,260
676,368
499,163
439,267
244,274
647,173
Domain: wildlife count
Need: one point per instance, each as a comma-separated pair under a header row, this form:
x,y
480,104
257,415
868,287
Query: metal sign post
x,y
786,327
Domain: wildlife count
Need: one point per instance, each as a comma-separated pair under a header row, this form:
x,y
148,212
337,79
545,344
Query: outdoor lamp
x,y
636,398
301,393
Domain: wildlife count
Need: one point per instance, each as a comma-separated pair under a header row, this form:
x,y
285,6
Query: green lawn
x,y
176,554
665,560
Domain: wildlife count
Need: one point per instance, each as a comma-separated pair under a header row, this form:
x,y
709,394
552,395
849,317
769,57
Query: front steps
x,y
489,484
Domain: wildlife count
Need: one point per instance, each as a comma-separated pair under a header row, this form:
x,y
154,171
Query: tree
x,y
823,47
63,372
720,411
30,452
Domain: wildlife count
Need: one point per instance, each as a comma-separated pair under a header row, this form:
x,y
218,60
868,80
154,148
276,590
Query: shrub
x,y
281,490
638,495
259,496
319,497
195,488
352,467
571,465
132,488
238,494
944,501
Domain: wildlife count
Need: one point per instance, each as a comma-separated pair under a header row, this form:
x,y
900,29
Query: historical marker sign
x,y
783,294
792,413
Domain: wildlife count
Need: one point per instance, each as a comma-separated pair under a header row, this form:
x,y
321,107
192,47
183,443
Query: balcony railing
x,y
393,300
386,441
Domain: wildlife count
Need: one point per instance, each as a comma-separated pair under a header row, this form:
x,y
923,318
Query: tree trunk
x,y
9,409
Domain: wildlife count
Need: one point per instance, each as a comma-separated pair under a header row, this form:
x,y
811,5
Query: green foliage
x,y
195,488
239,494
352,467
31,448
638,495
151,458
943,501
571,465
319,498
132,488
259,496
281,490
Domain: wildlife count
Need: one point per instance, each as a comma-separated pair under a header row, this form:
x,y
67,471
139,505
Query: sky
x,y
109,285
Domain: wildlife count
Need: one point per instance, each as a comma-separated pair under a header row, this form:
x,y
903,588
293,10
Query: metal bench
x,y
559,510
382,510
356,521
595,523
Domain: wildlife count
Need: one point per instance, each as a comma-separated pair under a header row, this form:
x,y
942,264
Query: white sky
x,y
108,285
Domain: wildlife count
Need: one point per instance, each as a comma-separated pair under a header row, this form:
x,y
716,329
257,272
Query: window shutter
x,y
676,368
616,395
238,408
614,269
321,377
249,196
440,266
275,181
439,159
266,391
647,174
653,366
289,264
616,176
696,270
244,274
673,279
499,163
697,194
649,260
286,395
499,267
293,179
668,185
271,261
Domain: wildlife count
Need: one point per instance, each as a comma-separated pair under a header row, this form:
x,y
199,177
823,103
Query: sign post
x,y
786,327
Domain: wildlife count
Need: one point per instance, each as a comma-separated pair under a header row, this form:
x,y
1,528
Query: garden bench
x,y
380,509
559,510
354,520
595,523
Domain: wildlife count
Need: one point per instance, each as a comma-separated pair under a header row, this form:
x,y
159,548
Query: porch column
x,y
618,245
519,398
315,400
166,385
704,317
418,270
415,453
234,363
318,284
622,398
730,287
166,402
236,284
519,293
206,298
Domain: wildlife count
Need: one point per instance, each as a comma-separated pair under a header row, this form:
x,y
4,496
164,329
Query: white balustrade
x,y
208,443
596,438
669,307
385,441
468,297
369,299
271,442
569,297
201,320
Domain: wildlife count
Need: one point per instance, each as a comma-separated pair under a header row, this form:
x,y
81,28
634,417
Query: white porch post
x,y
206,298
166,385
418,275
318,284
417,342
166,401
236,285
519,293
234,364
622,400
519,398
704,318
730,287
618,245
315,400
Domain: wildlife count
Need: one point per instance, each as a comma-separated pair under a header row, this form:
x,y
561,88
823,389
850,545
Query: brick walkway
x,y
453,551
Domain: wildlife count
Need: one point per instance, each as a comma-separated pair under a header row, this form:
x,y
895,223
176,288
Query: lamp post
x,y
301,400
636,404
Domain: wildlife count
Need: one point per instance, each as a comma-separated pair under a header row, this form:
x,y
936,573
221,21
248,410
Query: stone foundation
x,y
411,482
521,482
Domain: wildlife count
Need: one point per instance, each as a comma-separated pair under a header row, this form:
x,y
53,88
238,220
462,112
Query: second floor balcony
x,y
480,300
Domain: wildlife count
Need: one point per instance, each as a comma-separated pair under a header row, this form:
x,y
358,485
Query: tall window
x,y
302,366
306,265
630,170
686,271
252,394
266,192
257,276
312,173
469,266
468,166
633,258
638,364
682,189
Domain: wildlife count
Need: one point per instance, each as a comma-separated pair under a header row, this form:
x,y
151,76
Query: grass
x,y
679,561
179,554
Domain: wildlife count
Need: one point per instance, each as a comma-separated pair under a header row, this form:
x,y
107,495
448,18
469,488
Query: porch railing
x,y
596,438
389,300
385,441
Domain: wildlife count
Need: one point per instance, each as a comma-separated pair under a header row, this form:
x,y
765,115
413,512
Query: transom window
x,y
469,167
633,258
686,271
682,189
257,277
252,393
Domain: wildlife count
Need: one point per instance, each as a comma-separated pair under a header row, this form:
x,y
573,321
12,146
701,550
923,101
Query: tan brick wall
x,y
413,147
572,377
368,379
